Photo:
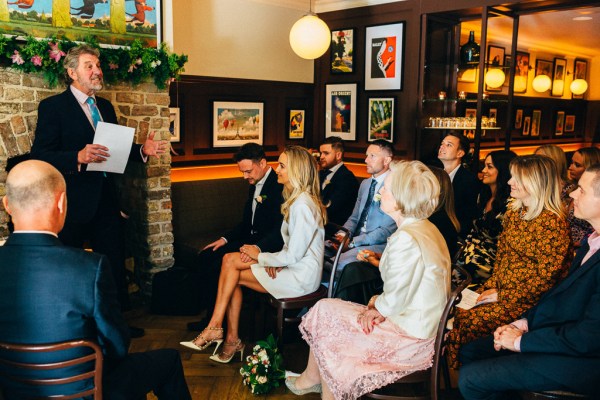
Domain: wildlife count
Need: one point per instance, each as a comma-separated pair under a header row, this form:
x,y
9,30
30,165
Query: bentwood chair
x,y
333,249
55,373
425,385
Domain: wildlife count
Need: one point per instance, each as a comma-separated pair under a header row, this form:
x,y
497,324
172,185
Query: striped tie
x,y
93,111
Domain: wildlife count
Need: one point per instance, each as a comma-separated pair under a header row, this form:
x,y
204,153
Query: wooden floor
x,y
207,379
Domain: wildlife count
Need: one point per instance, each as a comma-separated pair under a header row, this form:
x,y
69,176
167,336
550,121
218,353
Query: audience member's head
x,y
36,196
332,152
411,190
535,185
496,174
582,159
586,198
298,173
558,155
453,148
446,195
380,154
252,162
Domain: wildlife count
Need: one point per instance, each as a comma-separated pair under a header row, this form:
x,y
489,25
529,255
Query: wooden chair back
x,y
334,245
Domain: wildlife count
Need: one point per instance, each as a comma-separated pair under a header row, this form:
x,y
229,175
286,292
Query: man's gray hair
x,y
72,58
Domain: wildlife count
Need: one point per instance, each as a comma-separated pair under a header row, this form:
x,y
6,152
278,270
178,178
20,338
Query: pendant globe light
x,y
494,78
310,37
541,83
579,86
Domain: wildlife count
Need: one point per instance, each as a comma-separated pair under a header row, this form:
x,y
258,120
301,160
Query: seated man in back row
x,y
555,345
53,293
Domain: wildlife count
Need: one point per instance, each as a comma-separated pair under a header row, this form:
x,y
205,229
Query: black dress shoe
x,y
135,332
196,326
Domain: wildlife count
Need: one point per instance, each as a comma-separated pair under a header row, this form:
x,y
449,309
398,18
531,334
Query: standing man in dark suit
x,y
339,186
465,184
260,225
555,346
53,293
64,135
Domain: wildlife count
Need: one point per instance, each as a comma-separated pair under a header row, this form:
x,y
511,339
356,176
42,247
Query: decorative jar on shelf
x,y
469,52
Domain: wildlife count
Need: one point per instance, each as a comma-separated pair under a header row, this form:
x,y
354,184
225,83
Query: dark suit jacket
x,y
52,293
62,131
265,232
466,188
566,324
339,195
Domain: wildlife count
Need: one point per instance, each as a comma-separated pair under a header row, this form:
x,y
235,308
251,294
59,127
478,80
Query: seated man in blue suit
x,y
555,346
53,293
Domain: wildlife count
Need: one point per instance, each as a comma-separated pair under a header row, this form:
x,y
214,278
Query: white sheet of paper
x,y
469,299
119,140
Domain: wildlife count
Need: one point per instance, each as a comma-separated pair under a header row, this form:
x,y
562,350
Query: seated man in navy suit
x,y
339,186
555,346
53,293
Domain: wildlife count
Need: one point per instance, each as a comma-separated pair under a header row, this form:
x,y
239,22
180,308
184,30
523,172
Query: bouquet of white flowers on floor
x,y
263,369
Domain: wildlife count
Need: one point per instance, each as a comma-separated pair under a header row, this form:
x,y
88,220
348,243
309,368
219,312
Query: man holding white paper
x,y
65,138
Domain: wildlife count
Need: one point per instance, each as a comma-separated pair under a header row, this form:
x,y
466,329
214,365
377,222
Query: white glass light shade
x,y
310,37
541,83
520,84
579,86
494,78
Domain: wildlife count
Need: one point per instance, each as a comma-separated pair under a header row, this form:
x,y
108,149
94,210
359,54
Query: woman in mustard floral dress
x,y
534,253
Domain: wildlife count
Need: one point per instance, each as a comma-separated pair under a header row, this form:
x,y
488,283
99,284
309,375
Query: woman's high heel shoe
x,y
290,382
218,340
225,357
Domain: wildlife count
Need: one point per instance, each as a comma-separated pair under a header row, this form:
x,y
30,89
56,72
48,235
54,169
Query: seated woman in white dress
x,y
293,272
355,349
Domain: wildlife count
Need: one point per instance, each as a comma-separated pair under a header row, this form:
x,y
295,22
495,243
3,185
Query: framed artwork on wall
x,y
340,111
384,51
495,58
579,72
526,125
342,51
570,123
381,119
543,67
558,77
521,72
560,123
519,119
237,123
296,120
493,113
174,124
536,119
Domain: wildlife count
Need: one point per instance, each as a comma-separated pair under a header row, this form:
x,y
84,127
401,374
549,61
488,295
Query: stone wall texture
x,y
146,188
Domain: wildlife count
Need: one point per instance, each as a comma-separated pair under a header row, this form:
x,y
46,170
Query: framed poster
x,y
340,111
579,72
342,51
78,19
508,63
543,67
381,119
174,124
570,123
521,72
560,123
493,113
536,118
296,120
519,119
384,47
558,77
237,123
526,125
495,58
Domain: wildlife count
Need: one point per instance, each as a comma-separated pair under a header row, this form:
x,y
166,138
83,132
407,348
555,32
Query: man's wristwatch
x,y
351,245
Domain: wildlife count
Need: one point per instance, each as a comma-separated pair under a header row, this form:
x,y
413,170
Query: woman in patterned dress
x,y
356,349
534,253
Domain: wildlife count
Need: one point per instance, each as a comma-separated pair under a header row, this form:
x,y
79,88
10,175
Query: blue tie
x,y
94,111
365,211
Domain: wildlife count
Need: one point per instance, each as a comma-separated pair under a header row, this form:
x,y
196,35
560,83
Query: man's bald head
x,y
35,189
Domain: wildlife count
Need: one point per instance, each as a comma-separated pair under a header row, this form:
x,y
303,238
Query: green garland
x,y
132,64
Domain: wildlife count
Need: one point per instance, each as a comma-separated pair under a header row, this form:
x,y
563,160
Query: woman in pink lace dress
x,y
357,349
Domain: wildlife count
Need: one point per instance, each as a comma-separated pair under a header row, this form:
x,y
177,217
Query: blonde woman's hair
x,y
590,156
304,178
446,195
558,156
415,189
538,175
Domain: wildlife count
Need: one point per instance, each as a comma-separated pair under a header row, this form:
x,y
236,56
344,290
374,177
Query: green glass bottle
x,y
469,52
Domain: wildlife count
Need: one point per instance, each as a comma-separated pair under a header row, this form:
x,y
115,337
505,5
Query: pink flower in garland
x,y
113,66
36,60
17,59
55,52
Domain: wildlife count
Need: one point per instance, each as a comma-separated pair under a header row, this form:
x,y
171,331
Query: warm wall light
x,y
310,37
494,78
520,84
579,86
541,83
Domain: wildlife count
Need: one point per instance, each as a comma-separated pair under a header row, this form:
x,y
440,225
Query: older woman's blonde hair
x,y
558,156
415,189
538,176
304,178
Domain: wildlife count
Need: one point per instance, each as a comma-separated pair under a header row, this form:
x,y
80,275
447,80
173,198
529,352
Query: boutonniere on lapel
x,y
377,198
327,182
261,198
